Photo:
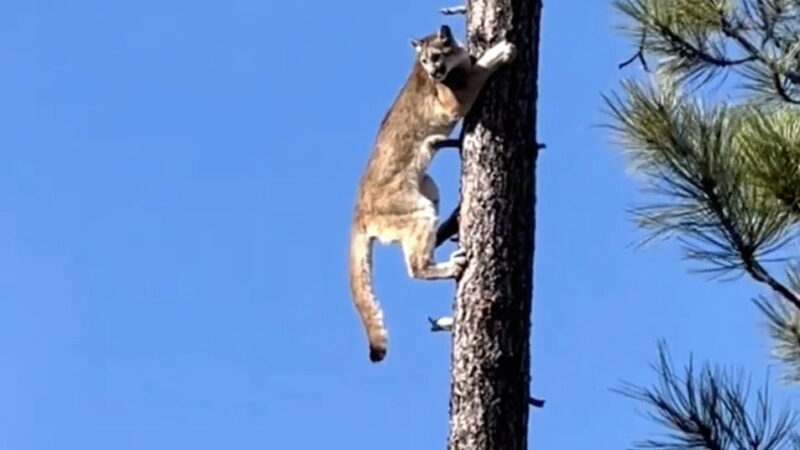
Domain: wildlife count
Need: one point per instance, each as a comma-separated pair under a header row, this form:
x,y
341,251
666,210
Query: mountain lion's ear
x,y
416,43
445,33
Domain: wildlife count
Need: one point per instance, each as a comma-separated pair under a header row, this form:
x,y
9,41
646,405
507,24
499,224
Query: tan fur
x,y
397,201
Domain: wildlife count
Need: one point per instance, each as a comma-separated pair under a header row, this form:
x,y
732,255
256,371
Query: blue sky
x,y
176,185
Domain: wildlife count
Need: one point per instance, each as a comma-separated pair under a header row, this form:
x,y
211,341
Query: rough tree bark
x,y
491,354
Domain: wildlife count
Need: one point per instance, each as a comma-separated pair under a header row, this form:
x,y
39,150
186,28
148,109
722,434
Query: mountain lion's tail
x,y
363,296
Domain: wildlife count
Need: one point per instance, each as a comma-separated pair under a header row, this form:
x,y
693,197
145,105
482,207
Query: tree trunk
x,y
491,354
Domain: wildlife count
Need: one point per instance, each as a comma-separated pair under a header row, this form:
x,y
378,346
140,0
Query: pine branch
x,y
760,274
686,49
755,54
746,252
695,37
783,322
709,409
781,90
698,160
770,142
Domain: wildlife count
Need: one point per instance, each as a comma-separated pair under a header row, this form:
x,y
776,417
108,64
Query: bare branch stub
x,y
454,10
448,143
448,228
638,55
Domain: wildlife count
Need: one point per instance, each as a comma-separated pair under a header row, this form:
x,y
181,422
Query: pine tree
x,y
490,368
725,182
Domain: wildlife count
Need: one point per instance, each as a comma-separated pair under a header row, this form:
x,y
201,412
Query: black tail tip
x,y
376,354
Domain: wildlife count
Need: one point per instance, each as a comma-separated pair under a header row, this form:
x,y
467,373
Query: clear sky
x,y
176,186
